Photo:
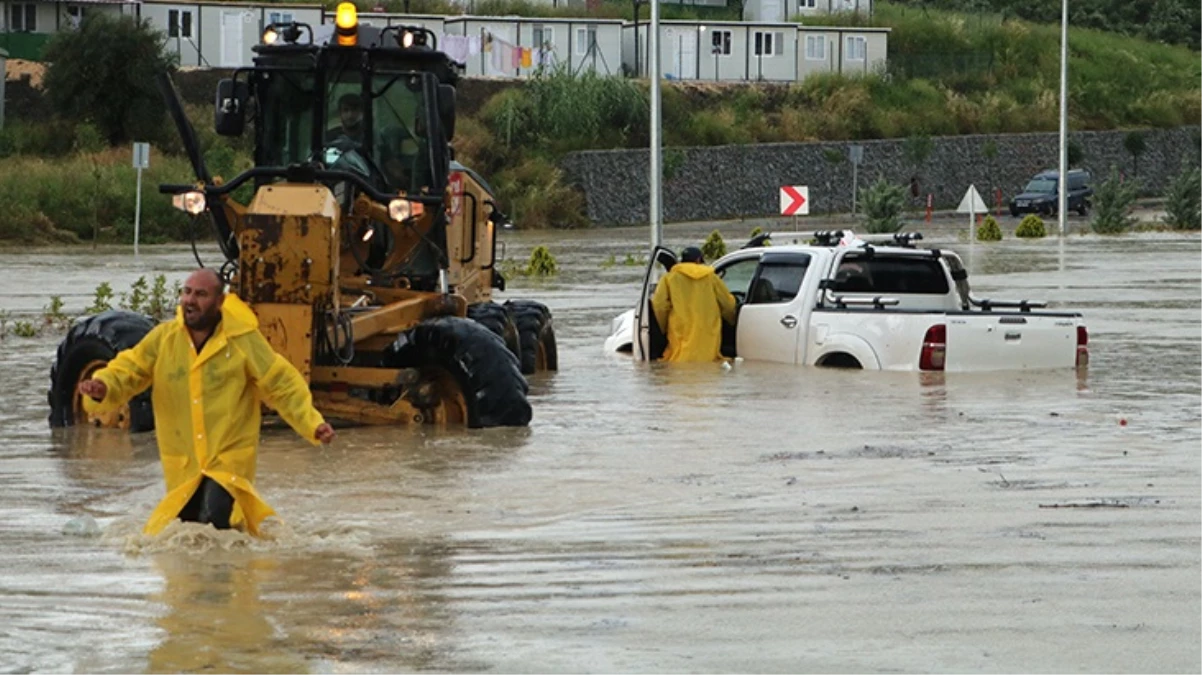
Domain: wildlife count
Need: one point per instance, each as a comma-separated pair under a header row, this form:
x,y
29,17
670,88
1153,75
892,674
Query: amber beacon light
x,y
347,22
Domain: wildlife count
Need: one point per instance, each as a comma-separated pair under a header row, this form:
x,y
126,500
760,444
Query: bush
x,y
1183,202
714,246
105,73
989,230
1112,201
542,263
1031,227
882,204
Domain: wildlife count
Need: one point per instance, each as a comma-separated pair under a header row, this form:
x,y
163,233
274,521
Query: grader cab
x,y
367,253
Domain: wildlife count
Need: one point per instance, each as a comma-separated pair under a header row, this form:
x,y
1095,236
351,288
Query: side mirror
x,y
446,110
229,113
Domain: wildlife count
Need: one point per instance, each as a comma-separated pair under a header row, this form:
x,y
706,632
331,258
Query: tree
x,y
882,204
1112,205
1183,200
104,73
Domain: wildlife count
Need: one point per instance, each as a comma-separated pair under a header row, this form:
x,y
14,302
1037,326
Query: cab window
x,y
883,274
737,276
778,280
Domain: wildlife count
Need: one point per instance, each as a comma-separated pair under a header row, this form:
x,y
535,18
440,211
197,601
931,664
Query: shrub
x,y
105,73
1112,201
882,204
1183,204
714,246
1031,227
542,263
989,230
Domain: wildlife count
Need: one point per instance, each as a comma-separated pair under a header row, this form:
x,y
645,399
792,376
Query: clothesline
x,y
503,55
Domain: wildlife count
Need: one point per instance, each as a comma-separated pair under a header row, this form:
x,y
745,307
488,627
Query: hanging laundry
x,y
515,58
473,45
526,60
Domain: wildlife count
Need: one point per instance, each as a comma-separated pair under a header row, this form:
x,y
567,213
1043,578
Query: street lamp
x,y
717,50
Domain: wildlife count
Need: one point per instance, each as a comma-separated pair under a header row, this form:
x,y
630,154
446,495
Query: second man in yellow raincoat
x,y
210,369
690,304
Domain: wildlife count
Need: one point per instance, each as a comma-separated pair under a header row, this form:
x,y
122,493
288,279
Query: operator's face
x,y
201,300
350,116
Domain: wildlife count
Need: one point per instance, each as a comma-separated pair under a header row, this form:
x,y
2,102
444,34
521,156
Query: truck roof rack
x,y
836,238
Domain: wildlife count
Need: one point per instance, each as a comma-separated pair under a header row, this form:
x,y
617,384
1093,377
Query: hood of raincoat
x,y
693,270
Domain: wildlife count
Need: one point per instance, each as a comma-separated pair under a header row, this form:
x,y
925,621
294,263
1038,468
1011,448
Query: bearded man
x,y
210,369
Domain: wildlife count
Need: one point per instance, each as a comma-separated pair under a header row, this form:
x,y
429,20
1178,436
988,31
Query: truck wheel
x,y
536,335
467,374
1083,209
90,344
494,317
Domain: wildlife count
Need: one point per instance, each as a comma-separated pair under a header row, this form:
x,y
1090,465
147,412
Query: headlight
x,y
270,36
189,202
403,209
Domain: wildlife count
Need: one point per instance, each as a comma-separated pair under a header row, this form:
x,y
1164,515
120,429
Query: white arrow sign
x,y
972,202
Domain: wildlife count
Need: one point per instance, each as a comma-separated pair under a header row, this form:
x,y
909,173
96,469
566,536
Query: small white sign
x,y
141,155
795,200
972,202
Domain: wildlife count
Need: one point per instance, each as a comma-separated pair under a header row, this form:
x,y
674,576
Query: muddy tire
x,y
486,372
535,334
91,343
494,317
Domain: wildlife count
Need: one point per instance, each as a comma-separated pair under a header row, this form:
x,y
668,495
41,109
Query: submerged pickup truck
x,y
878,303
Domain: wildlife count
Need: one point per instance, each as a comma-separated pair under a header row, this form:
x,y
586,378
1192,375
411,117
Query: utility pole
x,y
657,226
1061,184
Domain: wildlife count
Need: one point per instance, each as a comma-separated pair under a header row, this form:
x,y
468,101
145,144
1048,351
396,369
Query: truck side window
x,y
737,276
777,282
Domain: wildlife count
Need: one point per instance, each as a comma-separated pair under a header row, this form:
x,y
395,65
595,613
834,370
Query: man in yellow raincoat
x,y
690,304
210,368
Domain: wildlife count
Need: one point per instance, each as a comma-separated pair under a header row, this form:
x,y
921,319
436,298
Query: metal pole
x,y
855,178
657,227
138,212
1062,188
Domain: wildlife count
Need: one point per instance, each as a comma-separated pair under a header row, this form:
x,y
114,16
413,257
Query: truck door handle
x,y
788,321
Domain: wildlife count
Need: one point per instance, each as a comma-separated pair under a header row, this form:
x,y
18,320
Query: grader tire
x,y
535,334
494,317
91,343
487,373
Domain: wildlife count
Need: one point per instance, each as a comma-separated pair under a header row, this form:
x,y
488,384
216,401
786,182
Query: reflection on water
x,y
657,518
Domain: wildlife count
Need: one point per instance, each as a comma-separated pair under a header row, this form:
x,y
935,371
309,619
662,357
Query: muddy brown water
x,y
654,519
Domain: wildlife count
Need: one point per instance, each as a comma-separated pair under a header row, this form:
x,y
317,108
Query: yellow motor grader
x,y
367,253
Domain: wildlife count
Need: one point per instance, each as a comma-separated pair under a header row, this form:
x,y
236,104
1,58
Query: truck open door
x,y
649,337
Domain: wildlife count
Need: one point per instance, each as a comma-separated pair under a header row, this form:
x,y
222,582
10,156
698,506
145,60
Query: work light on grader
x,y
367,252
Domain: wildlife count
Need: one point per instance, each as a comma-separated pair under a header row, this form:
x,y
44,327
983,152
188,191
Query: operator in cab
x,y
690,304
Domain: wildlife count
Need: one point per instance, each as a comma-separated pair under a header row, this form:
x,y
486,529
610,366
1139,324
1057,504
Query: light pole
x,y
656,126
1062,188
716,51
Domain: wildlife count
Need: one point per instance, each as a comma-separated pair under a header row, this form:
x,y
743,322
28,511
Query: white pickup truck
x,y
878,303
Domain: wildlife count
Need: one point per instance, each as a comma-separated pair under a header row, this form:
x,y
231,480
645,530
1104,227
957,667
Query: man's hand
x,y
94,388
324,433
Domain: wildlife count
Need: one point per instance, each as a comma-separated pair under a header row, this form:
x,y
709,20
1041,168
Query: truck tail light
x,y
1082,347
934,348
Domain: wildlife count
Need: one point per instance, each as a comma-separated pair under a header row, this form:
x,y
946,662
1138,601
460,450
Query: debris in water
x,y
83,526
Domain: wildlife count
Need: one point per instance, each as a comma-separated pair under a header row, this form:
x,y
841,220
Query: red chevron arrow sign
x,y
795,200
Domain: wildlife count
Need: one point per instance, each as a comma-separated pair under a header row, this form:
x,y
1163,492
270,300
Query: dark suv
x,y
1040,196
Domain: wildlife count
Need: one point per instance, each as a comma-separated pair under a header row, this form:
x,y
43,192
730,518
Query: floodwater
x,y
654,519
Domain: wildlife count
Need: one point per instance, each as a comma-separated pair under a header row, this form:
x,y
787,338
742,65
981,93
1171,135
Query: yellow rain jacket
x,y
690,304
207,406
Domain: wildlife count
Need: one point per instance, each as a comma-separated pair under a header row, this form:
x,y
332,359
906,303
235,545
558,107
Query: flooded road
x,y
654,519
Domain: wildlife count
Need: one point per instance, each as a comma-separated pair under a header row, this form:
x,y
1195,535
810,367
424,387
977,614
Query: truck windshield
x,y
286,112
1042,185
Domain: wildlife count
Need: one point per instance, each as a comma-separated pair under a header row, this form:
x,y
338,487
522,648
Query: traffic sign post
x,y
972,204
856,154
141,161
795,201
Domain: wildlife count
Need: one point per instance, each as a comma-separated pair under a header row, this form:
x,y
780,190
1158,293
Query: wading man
x,y
210,369
690,304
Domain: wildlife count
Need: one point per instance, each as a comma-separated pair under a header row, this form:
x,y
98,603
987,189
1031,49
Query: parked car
x,y
1041,196
876,302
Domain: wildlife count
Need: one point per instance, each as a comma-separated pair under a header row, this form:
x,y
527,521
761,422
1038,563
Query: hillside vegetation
x,y
948,73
